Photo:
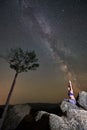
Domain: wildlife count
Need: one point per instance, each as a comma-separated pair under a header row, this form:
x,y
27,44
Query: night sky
x,y
57,31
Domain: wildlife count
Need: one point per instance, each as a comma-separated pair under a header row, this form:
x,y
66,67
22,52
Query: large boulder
x,y
35,121
15,115
82,99
75,120
57,123
66,106
78,116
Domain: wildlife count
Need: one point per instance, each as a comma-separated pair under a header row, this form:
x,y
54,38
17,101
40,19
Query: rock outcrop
x,y
82,99
15,115
75,120
66,106
76,117
23,117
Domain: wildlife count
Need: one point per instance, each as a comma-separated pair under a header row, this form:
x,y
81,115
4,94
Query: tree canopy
x,y
22,61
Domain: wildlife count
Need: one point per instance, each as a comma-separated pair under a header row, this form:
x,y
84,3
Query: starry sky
x,y
57,31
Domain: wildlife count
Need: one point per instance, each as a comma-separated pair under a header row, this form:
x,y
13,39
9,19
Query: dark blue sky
x,y
57,31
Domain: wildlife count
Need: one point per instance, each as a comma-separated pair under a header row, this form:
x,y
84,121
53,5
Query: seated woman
x,y
71,99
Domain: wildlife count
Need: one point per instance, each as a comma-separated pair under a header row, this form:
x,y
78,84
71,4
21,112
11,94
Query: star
x,y
63,10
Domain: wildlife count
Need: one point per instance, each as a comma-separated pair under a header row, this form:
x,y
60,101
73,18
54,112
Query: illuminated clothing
x,y
72,101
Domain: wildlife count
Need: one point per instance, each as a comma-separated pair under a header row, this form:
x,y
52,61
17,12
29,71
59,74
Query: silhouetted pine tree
x,y
20,61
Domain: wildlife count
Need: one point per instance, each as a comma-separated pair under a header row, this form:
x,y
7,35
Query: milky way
x,y
32,17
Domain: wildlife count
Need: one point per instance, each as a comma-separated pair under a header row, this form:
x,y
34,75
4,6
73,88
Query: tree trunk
x,y
7,102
